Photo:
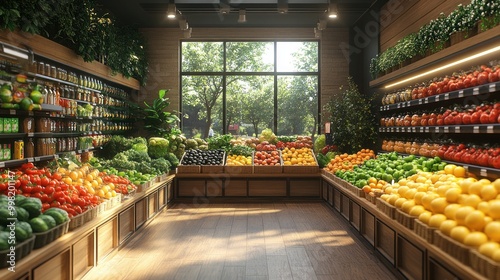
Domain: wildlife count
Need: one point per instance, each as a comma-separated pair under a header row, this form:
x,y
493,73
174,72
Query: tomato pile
x,y
265,146
120,184
49,187
267,158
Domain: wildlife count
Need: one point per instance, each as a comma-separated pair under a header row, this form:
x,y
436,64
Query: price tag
x,y
426,100
475,129
397,129
475,91
460,94
2,164
413,129
447,96
399,105
427,129
30,159
489,129
446,129
420,102
31,134
493,87
436,129
12,112
37,158
56,156
30,113
457,129
483,172
437,98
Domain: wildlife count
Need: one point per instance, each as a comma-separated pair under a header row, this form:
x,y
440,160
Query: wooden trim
x,y
54,51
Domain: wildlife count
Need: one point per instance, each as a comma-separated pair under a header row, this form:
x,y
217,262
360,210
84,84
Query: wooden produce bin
x,y
152,204
83,255
141,212
126,224
57,267
107,237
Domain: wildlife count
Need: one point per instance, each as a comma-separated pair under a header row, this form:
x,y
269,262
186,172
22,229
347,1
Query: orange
x,y
459,171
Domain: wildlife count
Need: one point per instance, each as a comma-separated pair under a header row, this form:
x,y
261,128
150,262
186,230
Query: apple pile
x,y
478,76
485,113
464,208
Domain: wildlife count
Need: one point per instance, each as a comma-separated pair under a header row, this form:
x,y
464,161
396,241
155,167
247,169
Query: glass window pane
x,y
250,56
202,57
201,105
297,56
297,105
249,103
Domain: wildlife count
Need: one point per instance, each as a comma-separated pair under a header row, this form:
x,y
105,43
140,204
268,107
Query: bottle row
x,y
53,93
46,125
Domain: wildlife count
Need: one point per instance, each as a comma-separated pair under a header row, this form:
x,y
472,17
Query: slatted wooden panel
x,y
162,197
236,188
83,255
141,212
345,209
126,224
399,18
368,226
355,215
385,240
438,271
267,188
153,204
191,188
57,268
107,238
305,188
410,259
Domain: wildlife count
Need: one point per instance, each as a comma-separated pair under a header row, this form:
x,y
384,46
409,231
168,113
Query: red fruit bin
x,y
260,168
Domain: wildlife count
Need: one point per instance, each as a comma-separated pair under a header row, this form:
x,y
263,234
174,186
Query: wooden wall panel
x,y
164,56
399,18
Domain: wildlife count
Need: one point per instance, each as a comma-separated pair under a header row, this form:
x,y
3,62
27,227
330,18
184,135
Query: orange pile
x,y
346,162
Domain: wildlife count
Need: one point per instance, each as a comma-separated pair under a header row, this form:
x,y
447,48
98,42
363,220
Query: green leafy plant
x,y
352,121
157,121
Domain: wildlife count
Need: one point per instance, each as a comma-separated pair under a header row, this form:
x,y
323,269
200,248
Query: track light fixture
x,y
172,11
317,33
282,6
183,24
187,33
321,25
224,8
332,9
242,16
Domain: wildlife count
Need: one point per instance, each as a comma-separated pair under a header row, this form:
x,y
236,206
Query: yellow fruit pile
x,y
238,160
300,156
89,179
347,162
466,209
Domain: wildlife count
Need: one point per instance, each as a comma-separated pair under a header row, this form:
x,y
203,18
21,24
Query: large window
x,y
244,87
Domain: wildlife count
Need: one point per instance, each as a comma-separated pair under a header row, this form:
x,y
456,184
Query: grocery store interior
x,y
249,139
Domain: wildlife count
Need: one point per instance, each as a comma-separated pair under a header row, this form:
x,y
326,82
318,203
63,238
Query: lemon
x,y
459,233
475,220
492,230
489,248
475,239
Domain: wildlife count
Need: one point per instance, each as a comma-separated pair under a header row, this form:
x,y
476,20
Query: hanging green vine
x,y
85,27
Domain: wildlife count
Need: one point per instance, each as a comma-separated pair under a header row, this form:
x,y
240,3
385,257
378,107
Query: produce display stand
x,y
408,252
76,252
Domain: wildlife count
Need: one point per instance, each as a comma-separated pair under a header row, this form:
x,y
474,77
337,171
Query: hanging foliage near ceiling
x,y
83,26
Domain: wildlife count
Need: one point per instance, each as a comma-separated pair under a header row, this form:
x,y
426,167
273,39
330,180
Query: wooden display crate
x,y
424,231
453,248
301,169
484,265
44,238
386,208
405,219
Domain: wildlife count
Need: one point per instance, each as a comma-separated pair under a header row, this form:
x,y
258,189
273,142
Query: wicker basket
x,y
352,188
77,221
114,201
386,208
302,169
484,265
452,247
371,197
405,219
101,207
44,238
90,214
424,231
22,250
161,177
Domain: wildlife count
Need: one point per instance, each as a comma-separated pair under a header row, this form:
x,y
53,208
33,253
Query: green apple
x,y
36,96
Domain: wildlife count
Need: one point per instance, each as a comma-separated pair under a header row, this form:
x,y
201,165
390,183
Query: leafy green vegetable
x,y
241,150
268,135
320,143
133,155
220,142
174,161
285,138
158,147
161,165
140,147
114,146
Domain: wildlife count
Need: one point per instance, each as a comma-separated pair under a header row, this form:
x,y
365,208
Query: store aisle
x,y
244,241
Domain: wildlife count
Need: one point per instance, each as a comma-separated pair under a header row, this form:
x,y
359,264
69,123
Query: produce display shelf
x,y
12,135
243,175
432,251
54,134
469,128
482,171
467,92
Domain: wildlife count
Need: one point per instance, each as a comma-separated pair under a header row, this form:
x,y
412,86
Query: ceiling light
x,y
332,10
242,17
451,64
187,33
282,6
172,11
321,25
13,52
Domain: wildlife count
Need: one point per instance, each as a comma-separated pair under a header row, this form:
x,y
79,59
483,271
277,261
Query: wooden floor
x,y
244,241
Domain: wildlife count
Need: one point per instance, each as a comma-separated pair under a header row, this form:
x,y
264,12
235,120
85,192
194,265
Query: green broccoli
x,y
161,165
133,155
146,168
174,160
122,165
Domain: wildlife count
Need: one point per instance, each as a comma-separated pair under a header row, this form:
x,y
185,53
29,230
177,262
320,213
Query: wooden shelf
x,y
466,128
480,42
54,51
370,211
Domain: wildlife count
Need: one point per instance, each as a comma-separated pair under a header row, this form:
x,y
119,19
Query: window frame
x,y
274,73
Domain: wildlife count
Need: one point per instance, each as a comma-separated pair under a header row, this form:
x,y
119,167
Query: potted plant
x,y
157,121
461,24
486,12
374,67
353,123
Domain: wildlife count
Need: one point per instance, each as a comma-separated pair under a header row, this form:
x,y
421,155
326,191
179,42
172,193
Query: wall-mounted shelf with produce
x,y
475,129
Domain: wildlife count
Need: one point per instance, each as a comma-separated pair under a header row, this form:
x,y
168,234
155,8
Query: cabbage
x,y
140,147
158,147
